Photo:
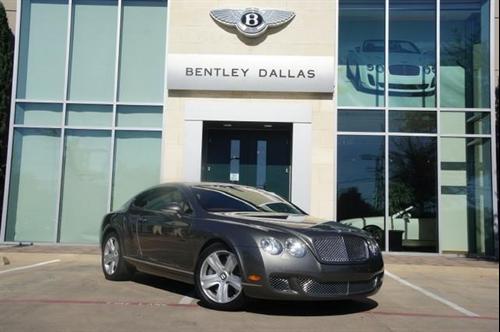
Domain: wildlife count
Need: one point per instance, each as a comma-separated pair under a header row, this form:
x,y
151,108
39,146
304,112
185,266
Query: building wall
x,y
192,30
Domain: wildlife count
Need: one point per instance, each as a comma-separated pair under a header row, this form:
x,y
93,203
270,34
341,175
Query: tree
x,y
6,59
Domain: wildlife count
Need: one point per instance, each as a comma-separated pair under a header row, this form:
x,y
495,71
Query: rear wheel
x,y
218,279
113,264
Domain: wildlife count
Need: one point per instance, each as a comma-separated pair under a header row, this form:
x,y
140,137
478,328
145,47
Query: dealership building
x,y
374,113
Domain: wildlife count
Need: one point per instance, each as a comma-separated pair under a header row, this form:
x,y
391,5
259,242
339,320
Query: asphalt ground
x,y
63,289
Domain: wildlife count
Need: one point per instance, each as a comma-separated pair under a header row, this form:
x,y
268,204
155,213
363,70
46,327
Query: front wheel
x,y
113,264
218,279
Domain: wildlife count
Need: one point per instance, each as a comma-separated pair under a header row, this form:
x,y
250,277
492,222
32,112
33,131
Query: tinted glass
x,y
87,155
360,180
361,53
226,198
136,163
466,196
461,123
159,199
89,115
142,51
43,36
465,53
412,122
93,48
38,114
355,120
413,193
412,53
32,209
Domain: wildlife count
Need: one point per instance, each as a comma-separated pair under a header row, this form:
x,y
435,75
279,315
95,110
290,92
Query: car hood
x,y
290,223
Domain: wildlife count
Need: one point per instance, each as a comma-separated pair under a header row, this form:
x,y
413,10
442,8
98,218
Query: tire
x,y
218,279
113,264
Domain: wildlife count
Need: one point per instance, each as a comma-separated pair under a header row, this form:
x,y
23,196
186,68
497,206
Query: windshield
x,y
231,198
399,46
395,46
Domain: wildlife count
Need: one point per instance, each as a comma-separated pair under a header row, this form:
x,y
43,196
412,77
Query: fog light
x,y
254,277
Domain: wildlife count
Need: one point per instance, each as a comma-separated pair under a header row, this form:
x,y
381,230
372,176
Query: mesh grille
x,y
281,284
313,287
341,249
404,70
340,288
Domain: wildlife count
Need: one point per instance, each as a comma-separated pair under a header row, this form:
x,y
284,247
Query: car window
x,y
158,199
231,198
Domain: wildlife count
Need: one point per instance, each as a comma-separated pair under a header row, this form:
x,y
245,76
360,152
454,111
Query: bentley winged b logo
x,y
252,22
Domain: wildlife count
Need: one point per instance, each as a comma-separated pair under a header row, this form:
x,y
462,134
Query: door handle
x,y
142,219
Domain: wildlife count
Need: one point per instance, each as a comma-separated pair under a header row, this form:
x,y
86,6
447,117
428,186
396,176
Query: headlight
x,y
295,247
380,68
369,67
428,69
271,246
373,247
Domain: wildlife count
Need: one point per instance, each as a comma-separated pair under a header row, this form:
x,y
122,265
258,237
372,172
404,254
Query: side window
x,y
159,199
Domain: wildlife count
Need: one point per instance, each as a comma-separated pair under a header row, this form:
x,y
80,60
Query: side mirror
x,y
173,208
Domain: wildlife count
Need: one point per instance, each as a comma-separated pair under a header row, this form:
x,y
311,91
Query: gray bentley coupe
x,y
234,242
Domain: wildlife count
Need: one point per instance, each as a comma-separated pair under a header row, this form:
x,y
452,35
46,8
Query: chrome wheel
x,y
111,255
219,277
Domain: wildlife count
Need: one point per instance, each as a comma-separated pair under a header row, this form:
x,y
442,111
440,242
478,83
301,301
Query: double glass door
x,y
249,156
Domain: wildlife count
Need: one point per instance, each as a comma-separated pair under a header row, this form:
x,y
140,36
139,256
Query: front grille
x,y
341,249
404,70
339,288
278,283
408,86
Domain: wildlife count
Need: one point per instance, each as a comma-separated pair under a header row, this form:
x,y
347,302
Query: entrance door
x,y
250,154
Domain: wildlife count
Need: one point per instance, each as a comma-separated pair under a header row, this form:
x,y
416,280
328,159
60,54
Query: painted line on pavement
x,y
432,295
30,266
413,314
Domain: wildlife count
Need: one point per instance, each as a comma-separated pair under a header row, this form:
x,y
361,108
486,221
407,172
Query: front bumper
x,y
289,278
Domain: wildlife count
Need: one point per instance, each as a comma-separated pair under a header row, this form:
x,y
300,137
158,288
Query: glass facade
x,y
413,133
414,161
88,114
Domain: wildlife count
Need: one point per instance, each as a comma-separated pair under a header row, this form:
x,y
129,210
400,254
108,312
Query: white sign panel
x,y
250,73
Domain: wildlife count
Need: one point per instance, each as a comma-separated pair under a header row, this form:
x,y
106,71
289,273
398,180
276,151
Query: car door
x,y
164,234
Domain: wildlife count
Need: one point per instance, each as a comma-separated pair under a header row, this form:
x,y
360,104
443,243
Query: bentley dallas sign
x,y
250,73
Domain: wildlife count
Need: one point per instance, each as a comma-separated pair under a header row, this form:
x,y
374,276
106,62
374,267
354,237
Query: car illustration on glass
x,y
235,242
411,71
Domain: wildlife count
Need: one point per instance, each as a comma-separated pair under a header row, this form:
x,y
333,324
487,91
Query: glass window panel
x,y
361,53
261,163
355,120
93,46
85,185
465,53
42,49
89,115
360,183
413,194
140,116
460,123
412,53
466,196
412,122
136,164
142,51
38,114
32,209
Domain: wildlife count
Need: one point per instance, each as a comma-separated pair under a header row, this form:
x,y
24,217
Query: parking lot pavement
x,y
62,289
